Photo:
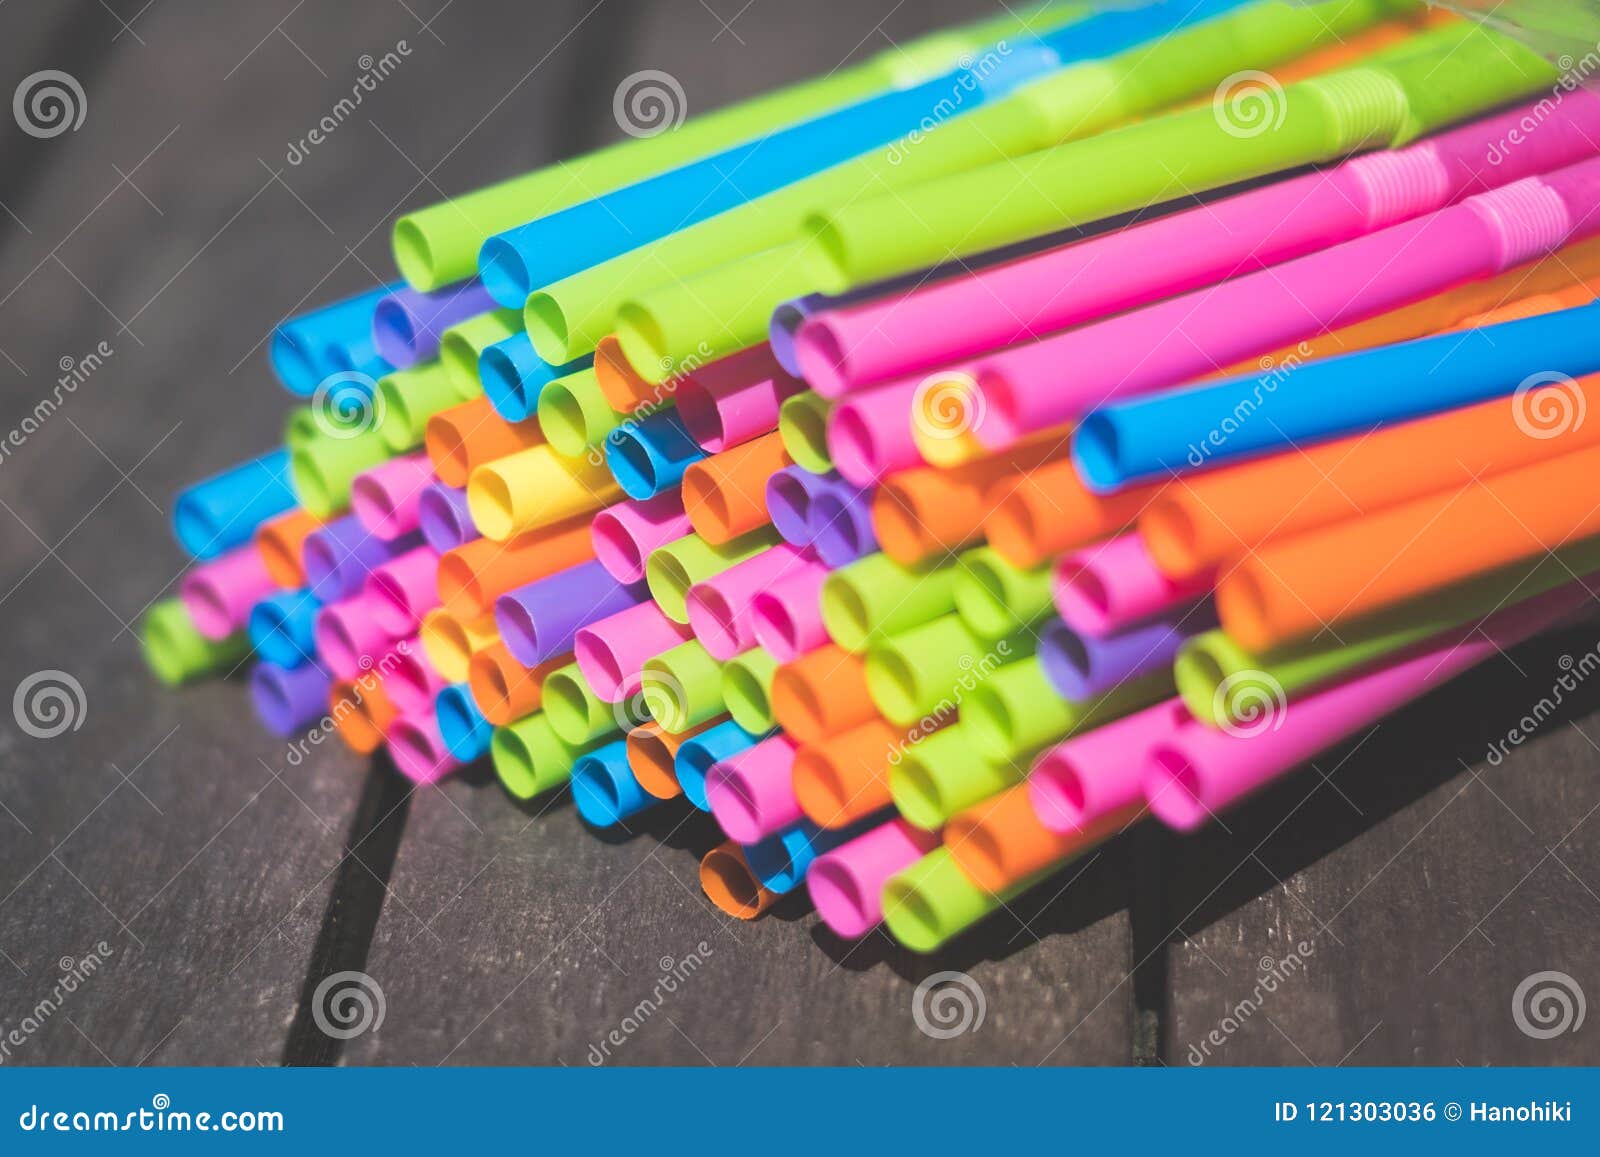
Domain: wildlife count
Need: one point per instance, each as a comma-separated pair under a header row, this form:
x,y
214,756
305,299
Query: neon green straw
x,y
947,773
1016,712
928,671
803,430
408,398
932,900
747,689
672,569
995,598
875,597
574,414
576,714
683,687
460,345
323,470
177,653
530,758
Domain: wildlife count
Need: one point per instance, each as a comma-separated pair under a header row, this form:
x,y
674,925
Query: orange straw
x,y
460,439
624,390
1047,511
1000,842
503,688
1293,587
731,885
846,777
279,542
652,752
725,495
361,713
821,693
472,576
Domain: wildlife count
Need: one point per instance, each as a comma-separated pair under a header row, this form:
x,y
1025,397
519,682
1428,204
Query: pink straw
x,y
410,680
1100,772
418,749
611,653
786,618
626,532
839,350
869,435
846,884
404,589
1199,771
219,594
1113,584
751,792
385,498
348,638
719,607
734,399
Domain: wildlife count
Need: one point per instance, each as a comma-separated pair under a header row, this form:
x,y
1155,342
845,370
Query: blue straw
x,y
214,516
333,339
513,376
466,733
604,789
696,756
780,861
280,627
649,456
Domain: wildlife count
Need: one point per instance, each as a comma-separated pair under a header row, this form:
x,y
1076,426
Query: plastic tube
x,y
403,589
224,511
407,325
750,792
930,902
443,517
846,884
1014,712
542,619
876,597
924,672
287,699
651,752
611,652
219,594
747,689
462,345
624,387
1112,585
323,471
821,693
782,860
869,434
1049,510
280,628
995,598
945,773
280,541
409,680
338,556
682,687
578,714
449,642
385,497
465,436
1000,843
604,790
841,524
513,376
574,414
725,494
362,714
719,607
1081,666
306,349
729,883
651,455
349,641
789,494
472,576
786,618
532,489
529,758
1080,782
506,690
462,727
407,399
735,399
845,777
625,533
672,569
176,653
417,748
803,426
698,753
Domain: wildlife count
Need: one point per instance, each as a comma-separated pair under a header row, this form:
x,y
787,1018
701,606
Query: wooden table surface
x,y
215,882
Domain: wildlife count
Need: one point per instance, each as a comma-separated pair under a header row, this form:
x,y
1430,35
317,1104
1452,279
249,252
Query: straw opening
x,y
616,549
513,763
503,272
729,884
546,323
837,895
1172,788
1095,451
412,253
502,383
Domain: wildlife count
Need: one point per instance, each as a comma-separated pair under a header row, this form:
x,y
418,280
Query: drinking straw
x,y
412,684
1000,842
348,639
786,321
466,733
874,341
846,884
1100,773
750,792
626,532
698,753
219,594
921,511
443,517
1441,76
1081,666
541,619
1049,510
417,748
786,618
729,883
1341,395
930,902
176,653
1294,587
747,689
450,642
841,523
604,790
869,434
734,399
845,777
338,556
1200,771
876,597
223,511
506,690
672,569
924,671
279,540
789,495
651,752
611,652
1195,527
473,575
287,699
403,589
533,488
323,471
529,758
465,436
624,388
306,349
361,712
574,415
280,627
682,687
725,495
1114,584
462,345
821,693
577,714
651,455
1016,711
803,426
385,497
720,607
408,398
995,598
407,325
782,860
513,376
439,244
946,772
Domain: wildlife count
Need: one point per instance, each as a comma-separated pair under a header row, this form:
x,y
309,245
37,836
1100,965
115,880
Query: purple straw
x,y
443,517
287,699
789,495
786,320
1082,666
406,325
841,521
538,621
340,554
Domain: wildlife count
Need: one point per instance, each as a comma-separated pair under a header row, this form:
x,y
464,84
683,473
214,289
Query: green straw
x,y
803,430
460,345
574,414
177,653
926,672
1016,712
875,597
933,900
530,758
947,773
1446,75
672,569
323,470
995,598
438,245
747,689
408,398
682,688
576,714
